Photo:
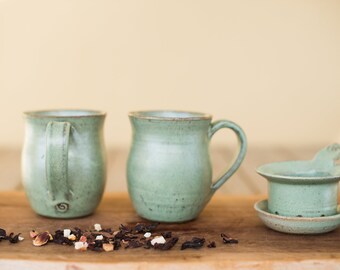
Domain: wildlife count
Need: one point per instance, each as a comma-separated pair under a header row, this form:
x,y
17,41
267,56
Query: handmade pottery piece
x,y
63,162
169,171
297,225
304,188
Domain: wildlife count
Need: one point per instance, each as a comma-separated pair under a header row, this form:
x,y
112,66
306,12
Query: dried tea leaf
x,y
2,234
124,228
97,245
212,245
103,233
228,240
167,234
116,245
134,244
108,230
13,238
143,228
60,239
168,245
124,233
148,244
77,232
195,243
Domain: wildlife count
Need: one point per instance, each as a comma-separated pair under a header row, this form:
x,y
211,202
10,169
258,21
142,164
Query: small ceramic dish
x,y
297,225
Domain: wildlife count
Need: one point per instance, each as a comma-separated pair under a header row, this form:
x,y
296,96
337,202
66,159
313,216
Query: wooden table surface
x,y
258,248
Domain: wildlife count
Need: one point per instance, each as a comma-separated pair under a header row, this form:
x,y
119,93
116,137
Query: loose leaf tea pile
x,y
139,236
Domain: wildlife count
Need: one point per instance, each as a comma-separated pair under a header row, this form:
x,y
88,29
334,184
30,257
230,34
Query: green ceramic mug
x,y
63,162
168,170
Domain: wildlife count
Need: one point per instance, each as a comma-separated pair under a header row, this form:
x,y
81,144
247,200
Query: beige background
x,y
271,66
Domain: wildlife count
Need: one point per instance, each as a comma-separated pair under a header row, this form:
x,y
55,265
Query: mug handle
x,y
215,126
56,164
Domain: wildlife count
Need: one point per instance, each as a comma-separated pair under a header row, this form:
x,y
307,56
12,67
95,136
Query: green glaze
x,y
307,188
63,162
169,171
296,225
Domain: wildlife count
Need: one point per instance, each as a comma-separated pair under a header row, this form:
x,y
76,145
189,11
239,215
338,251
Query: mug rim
x,y
64,113
177,115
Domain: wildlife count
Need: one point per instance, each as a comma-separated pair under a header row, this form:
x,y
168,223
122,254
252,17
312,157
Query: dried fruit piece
x,y
158,240
67,233
97,227
195,243
33,233
99,237
107,247
80,246
41,239
83,238
147,234
72,237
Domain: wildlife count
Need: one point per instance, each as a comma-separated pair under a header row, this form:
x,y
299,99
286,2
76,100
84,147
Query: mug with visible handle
x,y
168,170
63,162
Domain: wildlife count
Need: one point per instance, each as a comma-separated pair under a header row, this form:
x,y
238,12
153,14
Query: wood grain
x,y
259,247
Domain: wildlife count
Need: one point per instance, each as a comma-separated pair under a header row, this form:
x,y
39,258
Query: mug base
x,y
65,216
162,220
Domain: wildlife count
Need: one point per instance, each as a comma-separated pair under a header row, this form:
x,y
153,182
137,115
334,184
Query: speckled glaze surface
x,y
307,188
296,225
64,162
169,171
